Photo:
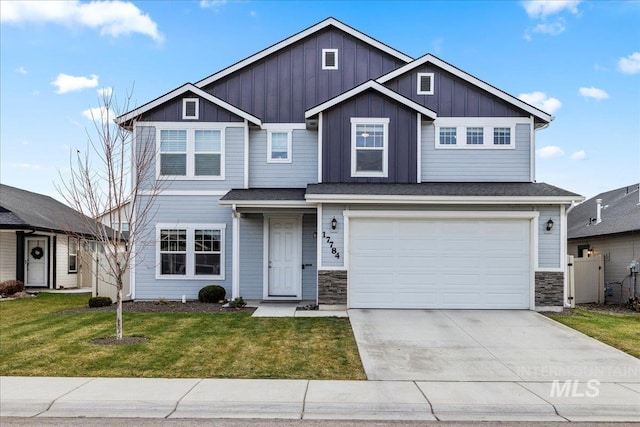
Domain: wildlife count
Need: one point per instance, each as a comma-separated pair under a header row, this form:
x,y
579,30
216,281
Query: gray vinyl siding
x,y
549,241
171,111
302,170
480,165
453,97
180,210
280,87
233,158
337,236
336,139
309,258
251,256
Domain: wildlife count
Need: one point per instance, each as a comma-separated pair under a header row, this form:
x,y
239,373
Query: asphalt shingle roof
x,y
620,214
266,194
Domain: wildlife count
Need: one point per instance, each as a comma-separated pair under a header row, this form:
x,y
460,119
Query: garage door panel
x,y
439,263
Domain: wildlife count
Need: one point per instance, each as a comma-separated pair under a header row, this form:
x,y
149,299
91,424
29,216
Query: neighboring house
x,y
332,167
609,225
39,242
118,219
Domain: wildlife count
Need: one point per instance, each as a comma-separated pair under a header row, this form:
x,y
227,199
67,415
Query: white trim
x,y
419,149
324,59
533,257
488,124
320,147
563,255
333,268
471,200
266,237
235,254
191,125
289,157
190,253
419,80
188,87
318,244
184,108
183,193
442,214
428,58
370,84
190,152
532,149
246,154
355,121
297,37
284,127
267,203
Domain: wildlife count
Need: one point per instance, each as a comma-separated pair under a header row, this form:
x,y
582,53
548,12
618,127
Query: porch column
x,y
235,257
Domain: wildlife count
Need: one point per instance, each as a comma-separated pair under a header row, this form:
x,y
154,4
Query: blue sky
x,y
577,60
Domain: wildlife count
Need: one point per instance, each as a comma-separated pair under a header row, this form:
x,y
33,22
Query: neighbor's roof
x,y
620,214
21,209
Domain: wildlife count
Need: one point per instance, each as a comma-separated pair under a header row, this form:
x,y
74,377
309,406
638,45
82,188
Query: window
x,y
190,108
475,136
501,136
425,83
448,136
279,147
369,147
329,59
73,255
191,251
191,153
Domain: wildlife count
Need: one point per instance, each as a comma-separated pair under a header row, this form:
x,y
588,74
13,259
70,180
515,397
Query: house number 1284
x,y
334,251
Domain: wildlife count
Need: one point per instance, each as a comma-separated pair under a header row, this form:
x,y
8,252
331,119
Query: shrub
x,y
10,287
211,293
237,302
100,302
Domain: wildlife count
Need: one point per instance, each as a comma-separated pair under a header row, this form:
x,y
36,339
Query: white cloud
x,y
27,166
213,4
599,67
630,64
579,155
253,13
552,29
549,151
66,83
113,18
21,70
102,114
542,101
543,8
105,92
593,92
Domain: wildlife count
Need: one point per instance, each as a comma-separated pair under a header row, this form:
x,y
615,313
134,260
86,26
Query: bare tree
x,y
113,177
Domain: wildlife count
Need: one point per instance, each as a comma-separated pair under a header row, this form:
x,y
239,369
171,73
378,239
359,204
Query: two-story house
x,y
332,167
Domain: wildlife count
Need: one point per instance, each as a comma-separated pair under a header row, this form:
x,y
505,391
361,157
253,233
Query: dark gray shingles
x,y
620,214
264,194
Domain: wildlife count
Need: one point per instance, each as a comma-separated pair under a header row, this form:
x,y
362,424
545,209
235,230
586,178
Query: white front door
x,y
284,258
36,259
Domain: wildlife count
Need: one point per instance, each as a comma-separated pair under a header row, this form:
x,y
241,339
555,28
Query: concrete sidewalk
x,y
311,399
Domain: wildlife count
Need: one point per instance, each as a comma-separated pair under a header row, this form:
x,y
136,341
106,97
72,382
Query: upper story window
x,y
191,153
190,108
369,147
501,136
329,59
193,251
476,132
279,147
448,136
425,83
475,136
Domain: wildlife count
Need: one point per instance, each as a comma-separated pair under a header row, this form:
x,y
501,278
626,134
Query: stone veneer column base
x,y
332,287
549,293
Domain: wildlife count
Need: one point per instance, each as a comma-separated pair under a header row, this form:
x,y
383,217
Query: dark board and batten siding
x,y
280,87
452,96
336,138
171,111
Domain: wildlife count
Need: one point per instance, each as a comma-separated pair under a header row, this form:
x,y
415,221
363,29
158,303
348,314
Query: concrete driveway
x,y
478,345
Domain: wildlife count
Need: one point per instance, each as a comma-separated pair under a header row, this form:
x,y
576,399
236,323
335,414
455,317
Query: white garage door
x,y
439,263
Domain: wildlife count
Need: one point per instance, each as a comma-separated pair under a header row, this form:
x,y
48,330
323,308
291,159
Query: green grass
x,y
621,332
36,339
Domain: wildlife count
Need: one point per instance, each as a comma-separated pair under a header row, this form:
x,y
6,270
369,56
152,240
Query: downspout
x,y
235,257
564,245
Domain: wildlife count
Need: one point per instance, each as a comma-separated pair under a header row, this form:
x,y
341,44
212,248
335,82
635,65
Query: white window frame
x,y
289,134
184,108
384,121
487,123
324,59
69,254
190,128
190,252
419,89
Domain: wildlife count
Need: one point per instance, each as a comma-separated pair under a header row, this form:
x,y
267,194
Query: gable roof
x,y
429,58
371,84
21,209
187,87
620,214
299,36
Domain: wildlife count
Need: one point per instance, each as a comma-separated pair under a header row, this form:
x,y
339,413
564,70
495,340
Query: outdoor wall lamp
x,y
334,223
549,224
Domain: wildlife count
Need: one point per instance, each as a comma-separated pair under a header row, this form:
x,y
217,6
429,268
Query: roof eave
x,y
474,200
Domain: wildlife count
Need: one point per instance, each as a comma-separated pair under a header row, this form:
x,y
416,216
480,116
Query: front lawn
x,y
38,339
619,331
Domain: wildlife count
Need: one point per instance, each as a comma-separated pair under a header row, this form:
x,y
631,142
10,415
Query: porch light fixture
x,y
549,224
334,223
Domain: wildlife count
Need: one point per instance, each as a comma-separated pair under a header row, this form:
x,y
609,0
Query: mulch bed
x,y
165,307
